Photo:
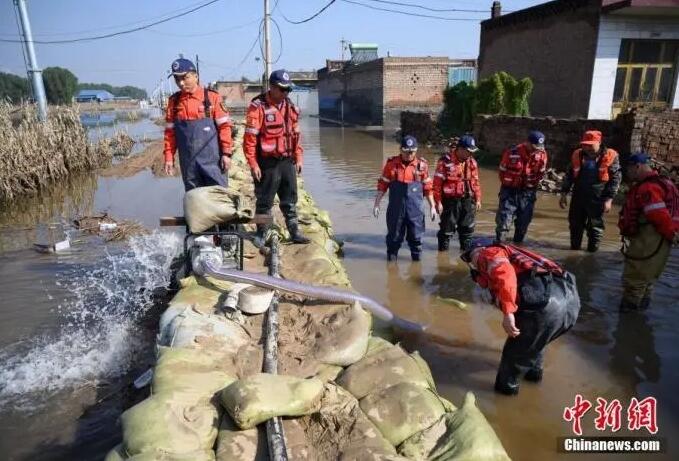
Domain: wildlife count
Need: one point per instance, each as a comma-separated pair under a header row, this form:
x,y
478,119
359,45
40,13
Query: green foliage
x,y
60,85
13,88
129,91
498,94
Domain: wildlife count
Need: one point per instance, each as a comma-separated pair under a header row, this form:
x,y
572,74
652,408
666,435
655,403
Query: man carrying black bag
x,y
539,301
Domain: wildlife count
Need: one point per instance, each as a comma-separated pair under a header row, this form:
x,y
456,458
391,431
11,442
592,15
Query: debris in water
x,y
109,228
454,302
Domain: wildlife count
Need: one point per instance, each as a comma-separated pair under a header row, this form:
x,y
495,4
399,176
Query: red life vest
x,y
396,170
523,260
520,169
604,162
458,176
276,137
632,210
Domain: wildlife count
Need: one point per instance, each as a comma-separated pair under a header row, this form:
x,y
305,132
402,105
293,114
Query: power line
x,y
310,17
252,47
280,39
426,8
442,18
205,34
114,34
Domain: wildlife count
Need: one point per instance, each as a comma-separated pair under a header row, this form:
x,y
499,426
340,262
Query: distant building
x,y
369,90
588,58
94,96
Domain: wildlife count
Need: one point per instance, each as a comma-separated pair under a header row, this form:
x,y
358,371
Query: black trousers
x,y
459,214
586,213
279,177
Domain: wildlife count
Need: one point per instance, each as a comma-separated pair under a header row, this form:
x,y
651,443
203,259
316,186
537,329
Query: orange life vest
x,y
604,162
522,261
523,169
458,177
632,210
276,137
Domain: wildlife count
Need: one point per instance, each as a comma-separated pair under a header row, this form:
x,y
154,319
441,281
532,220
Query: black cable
x,y
435,10
280,39
205,34
252,47
114,34
310,17
442,18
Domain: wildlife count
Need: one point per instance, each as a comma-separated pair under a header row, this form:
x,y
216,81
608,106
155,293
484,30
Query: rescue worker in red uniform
x,y
271,144
198,125
595,177
521,170
539,301
457,193
649,225
406,177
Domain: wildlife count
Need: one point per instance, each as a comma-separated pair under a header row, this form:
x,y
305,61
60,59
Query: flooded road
x,y
71,324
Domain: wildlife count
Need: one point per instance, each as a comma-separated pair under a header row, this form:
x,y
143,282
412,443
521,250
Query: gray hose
x,y
316,292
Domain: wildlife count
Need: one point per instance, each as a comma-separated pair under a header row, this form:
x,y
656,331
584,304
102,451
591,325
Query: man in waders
x,y
649,225
521,170
198,125
271,144
457,193
407,179
595,177
539,301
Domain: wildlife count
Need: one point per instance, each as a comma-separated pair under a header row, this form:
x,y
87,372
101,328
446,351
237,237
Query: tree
x,y
129,91
13,88
60,85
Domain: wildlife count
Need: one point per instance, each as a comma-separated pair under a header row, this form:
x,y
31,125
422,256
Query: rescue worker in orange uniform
x,y
521,170
457,193
649,225
271,144
595,177
199,126
539,301
406,177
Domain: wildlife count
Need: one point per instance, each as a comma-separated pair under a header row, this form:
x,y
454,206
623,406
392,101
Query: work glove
x,y
432,212
376,211
563,201
509,325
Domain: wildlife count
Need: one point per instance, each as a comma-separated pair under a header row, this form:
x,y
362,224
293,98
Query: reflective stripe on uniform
x,y
654,206
223,120
254,131
440,175
426,180
502,168
169,126
385,179
496,262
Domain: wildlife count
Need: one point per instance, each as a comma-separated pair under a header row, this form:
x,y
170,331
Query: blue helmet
x,y
476,242
536,138
468,142
409,143
638,158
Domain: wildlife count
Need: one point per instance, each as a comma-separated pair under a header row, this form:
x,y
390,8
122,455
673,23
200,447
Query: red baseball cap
x,y
591,137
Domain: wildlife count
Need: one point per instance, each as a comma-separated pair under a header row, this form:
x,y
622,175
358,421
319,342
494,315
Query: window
x,y
646,72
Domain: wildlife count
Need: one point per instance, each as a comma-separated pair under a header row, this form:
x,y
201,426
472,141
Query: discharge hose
x,y
310,291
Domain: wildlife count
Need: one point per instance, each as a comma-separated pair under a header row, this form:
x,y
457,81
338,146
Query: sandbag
x,y
164,423
191,372
377,344
344,337
357,452
327,372
234,444
194,329
253,400
205,207
118,454
402,410
201,296
463,435
383,370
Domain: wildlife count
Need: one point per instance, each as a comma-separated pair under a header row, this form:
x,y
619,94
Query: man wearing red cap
x,y
649,224
594,176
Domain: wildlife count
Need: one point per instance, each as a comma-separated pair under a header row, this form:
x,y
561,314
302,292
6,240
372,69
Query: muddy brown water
x,y
64,371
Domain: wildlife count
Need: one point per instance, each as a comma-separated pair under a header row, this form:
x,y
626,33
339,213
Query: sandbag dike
x,y
343,390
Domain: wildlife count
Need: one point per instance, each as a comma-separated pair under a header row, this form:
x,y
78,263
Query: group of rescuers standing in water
x,y
538,298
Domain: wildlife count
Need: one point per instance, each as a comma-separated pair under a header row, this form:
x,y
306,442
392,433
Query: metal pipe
x,y
35,71
316,292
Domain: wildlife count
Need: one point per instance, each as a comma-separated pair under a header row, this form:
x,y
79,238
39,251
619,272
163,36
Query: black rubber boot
x,y
506,388
518,237
534,375
392,257
592,246
296,236
444,244
576,244
499,237
258,241
415,256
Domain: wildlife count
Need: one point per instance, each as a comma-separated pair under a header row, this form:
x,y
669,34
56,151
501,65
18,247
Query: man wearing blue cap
x,y
198,125
406,177
649,225
271,144
522,167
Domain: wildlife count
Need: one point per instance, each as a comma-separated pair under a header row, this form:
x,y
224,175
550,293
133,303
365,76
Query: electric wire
x,y
419,15
310,17
426,8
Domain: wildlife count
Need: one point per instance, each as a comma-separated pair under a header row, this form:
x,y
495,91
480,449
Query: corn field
x,y
34,154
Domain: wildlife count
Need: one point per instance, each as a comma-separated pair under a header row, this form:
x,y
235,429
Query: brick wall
x,y
553,44
657,134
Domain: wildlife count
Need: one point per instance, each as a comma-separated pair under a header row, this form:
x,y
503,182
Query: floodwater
x,y
74,327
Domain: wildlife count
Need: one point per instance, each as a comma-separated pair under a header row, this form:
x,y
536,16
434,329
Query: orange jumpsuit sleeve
x,y
655,210
427,182
253,124
494,263
223,122
504,161
475,182
385,179
170,140
439,179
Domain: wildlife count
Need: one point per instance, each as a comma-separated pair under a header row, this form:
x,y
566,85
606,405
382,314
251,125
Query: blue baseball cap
x,y
409,143
182,66
639,158
536,138
476,242
468,142
281,79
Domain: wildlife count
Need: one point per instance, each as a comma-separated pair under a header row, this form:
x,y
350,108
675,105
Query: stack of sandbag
x,y
206,207
343,338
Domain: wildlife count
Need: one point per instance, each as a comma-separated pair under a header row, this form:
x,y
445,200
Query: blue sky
x,y
222,33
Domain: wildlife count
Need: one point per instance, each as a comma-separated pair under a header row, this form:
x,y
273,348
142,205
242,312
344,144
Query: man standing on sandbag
x,y
199,126
595,177
521,170
457,193
649,225
271,144
539,301
406,177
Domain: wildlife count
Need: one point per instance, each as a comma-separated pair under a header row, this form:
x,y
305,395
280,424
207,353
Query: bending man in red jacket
x,y
539,301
